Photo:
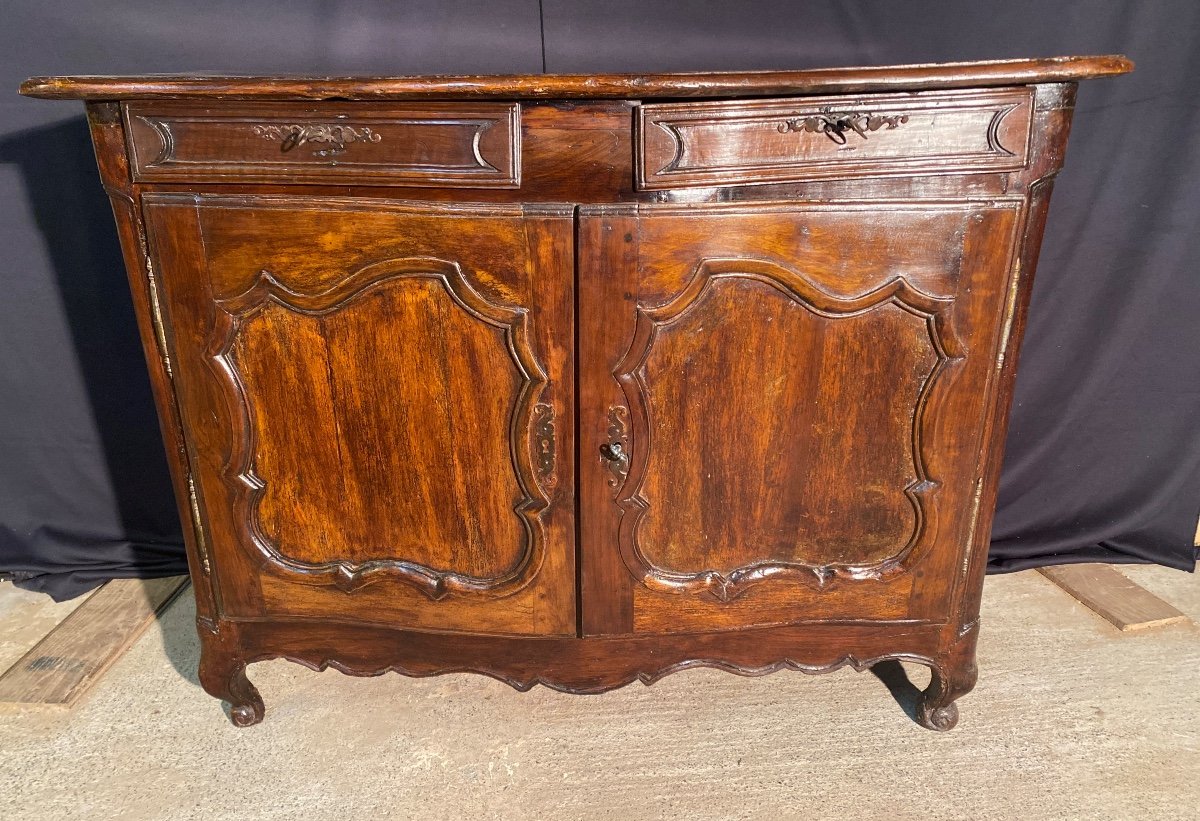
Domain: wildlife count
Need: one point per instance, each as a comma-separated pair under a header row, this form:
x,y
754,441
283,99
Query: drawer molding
x,y
884,135
452,145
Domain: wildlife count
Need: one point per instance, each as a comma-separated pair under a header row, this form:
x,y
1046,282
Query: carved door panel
x,y
378,398
782,408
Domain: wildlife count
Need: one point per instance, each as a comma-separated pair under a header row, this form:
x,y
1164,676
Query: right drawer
x,y
811,138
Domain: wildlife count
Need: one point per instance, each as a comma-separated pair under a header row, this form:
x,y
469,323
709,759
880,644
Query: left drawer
x,y
450,144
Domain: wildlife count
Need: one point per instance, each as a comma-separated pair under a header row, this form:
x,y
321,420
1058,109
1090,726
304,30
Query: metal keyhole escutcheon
x,y
618,461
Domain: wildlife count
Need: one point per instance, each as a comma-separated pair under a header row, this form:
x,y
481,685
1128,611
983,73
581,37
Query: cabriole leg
x,y
223,672
954,675
937,709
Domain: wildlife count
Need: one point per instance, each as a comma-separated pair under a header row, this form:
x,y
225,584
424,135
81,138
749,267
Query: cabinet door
x,y
782,408
377,398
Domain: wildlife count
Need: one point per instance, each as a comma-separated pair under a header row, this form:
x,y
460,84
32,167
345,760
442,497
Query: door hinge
x,y
201,546
160,332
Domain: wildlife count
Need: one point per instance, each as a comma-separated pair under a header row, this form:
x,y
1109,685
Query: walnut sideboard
x,y
578,380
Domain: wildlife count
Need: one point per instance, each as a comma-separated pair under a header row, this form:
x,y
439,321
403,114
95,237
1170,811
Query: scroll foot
x,y
936,709
223,675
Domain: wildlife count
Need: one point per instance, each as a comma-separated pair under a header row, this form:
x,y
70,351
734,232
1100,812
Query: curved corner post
x,y
223,671
954,675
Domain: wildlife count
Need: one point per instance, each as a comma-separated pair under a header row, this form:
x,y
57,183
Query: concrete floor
x,y
1071,719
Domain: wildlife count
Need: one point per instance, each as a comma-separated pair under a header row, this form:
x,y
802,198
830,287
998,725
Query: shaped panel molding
x,y
320,457
761,493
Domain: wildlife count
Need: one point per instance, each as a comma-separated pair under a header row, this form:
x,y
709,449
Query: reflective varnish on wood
x,y
572,380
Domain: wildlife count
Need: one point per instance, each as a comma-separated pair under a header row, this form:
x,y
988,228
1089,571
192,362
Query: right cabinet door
x,y
782,408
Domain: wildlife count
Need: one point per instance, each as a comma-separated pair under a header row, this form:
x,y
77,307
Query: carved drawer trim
x,y
811,138
451,144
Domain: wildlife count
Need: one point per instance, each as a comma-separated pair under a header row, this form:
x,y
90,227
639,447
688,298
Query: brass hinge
x,y
160,332
1010,314
201,547
976,500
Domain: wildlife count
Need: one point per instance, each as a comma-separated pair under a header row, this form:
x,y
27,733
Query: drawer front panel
x,y
469,145
740,143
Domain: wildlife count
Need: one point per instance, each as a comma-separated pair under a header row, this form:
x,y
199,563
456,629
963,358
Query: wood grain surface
x,y
572,388
1113,596
584,86
61,668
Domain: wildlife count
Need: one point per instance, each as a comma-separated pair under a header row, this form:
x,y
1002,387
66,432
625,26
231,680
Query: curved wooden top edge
x,y
582,86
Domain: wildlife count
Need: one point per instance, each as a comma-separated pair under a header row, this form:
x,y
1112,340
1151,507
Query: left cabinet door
x,y
377,401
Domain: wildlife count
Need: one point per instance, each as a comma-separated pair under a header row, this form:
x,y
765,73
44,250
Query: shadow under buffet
x,y
580,380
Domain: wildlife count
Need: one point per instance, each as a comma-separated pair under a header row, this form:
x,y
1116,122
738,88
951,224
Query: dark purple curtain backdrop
x,y
1103,457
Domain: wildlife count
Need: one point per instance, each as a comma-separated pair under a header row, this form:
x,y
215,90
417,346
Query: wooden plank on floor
x,y
74,655
1112,595
27,617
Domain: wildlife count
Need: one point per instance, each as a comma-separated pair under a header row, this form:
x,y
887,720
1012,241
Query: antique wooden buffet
x,y
577,380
